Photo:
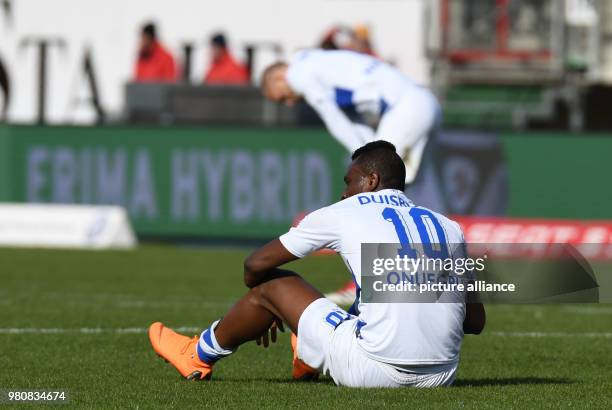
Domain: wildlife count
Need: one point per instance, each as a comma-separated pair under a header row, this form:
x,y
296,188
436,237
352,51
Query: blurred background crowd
x,y
156,64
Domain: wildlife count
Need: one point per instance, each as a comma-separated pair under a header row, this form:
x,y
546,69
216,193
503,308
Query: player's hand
x,y
270,334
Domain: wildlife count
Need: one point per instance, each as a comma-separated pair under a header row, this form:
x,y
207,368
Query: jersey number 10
x,y
418,215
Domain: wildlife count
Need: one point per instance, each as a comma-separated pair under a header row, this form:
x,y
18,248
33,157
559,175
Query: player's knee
x,y
255,296
275,285
264,290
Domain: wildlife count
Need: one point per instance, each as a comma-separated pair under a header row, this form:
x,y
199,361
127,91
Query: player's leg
x,y
285,297
427,189
407,125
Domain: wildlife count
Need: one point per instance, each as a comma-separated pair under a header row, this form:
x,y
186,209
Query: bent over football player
x,y
386,344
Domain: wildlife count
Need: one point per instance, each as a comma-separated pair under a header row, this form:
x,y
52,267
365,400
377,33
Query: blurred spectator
x,y
362,40
224,69
155,63
339,38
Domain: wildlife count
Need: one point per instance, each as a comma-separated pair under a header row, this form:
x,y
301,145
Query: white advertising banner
x,y
65,226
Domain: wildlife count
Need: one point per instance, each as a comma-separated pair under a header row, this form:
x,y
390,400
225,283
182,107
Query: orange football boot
x,y
180,351
301,371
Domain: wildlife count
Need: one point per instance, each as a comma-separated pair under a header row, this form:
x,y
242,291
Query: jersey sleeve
x,y
316,231
338,124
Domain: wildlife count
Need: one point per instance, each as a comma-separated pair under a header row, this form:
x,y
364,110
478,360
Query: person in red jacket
x,y
154,63
224,69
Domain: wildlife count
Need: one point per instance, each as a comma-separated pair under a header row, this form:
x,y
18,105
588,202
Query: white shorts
x,y
327,342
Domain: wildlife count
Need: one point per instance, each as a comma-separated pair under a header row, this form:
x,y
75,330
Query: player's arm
x,y
338,124
261,265
303,80
475,318
317,230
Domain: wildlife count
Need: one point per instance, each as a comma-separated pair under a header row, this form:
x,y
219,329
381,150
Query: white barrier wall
x,y
65,226
110,29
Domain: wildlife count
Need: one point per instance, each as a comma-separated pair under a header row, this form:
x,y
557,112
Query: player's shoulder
x,y
344,204
349,208
302,69
450,225
333,211
321,217
304,57
317,56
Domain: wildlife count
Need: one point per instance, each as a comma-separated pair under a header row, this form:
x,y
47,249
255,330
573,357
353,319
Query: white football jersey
x,y
410,334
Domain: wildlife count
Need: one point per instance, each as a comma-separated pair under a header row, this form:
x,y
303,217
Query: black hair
x,y
150,30
381,158
219,40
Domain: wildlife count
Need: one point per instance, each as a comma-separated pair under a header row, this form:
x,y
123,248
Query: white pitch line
x,y
141,304
551,334
587,310
142,330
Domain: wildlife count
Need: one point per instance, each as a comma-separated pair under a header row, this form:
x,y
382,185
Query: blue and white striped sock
x,y
209,350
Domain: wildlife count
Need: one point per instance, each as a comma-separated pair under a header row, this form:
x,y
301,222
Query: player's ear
x,y
278,75
372,182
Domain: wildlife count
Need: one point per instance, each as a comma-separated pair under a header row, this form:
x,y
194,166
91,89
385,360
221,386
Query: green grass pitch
x,y
528,356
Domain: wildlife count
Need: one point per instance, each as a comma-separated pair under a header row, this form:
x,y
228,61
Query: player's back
x,y
410,334
364,76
